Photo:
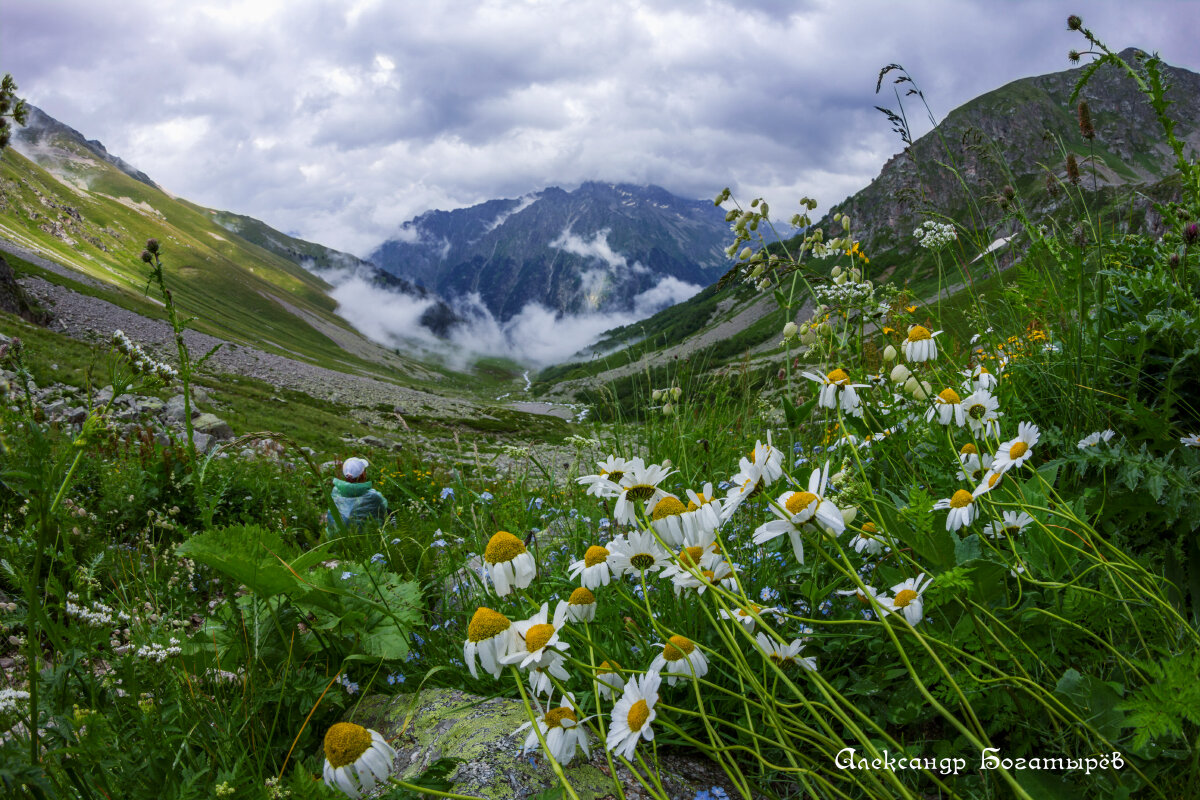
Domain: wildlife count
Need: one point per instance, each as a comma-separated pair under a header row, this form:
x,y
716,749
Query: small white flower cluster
x,y
845,294
222,675
157,653
97,615
142,363
9,699
934,235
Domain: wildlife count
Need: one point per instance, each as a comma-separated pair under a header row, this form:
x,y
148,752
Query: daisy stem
x,y
533,721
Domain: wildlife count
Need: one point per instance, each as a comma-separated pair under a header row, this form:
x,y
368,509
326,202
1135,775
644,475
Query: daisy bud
x,y
900,373
889,353
790,330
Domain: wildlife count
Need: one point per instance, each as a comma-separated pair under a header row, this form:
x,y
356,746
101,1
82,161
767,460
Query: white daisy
x,y
749,615
356,759
718,571
920,344
639,486
991,479
836,390
703,513
666,517
592,570
1093,439
1016,452
607,482
561,729
509,563
609,679
581,606
1010,525
537,638
907,599
770,458
745,484
798,509
636,553
962,509
540,677
974,466
948,408
490,636
680,658
633,714
1190,441
868,540
785,656
982,413
967,451
982,378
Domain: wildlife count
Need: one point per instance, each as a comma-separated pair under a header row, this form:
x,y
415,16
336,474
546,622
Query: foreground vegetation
x,y
945,548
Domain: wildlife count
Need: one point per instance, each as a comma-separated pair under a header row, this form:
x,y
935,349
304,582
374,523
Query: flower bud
x,y
152,245
789,331
848,514
1074,23
147,257
676,392
745,254
656,395
839,280
856,274
915,389
808,337
889,353
900,374
1191,233
668,410
836,272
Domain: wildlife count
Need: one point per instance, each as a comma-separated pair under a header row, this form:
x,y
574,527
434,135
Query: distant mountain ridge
x,y
601,247
42,136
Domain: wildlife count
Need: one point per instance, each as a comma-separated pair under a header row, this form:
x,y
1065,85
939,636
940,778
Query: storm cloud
x,y
337,121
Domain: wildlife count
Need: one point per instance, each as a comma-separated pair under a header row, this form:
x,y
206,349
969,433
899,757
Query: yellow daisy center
x,y
708,575
641,491
690,556
345,742
918,333
692,506
582,596
537,636
903,598
838,376
555,716
799,501
485,624
949,396
614,476
993,479
1011,530
503,547
870,527
969,449
639,712
677,647
1017,450
961,499
667,507
595,555
608,667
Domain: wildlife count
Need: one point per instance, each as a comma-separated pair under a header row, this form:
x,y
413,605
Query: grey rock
x,y
75,415
204,443
375,441
151,405
55,408
174,409
213,425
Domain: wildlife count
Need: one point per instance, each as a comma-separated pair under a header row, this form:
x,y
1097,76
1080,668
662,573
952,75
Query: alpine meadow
x,y
900,501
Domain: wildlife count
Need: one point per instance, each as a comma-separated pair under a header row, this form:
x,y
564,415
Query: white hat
x,y
354,467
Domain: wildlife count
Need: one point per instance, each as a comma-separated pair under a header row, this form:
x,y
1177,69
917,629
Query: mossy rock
x,y
482,732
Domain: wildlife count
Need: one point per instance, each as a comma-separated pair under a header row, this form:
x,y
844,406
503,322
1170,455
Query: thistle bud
x,y
152,245
1072,169
1073,56
889,353
1086,129
1074,23
149,259
790,330
1174,260
1191,233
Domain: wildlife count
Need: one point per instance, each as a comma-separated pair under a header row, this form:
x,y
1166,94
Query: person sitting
x,y
354,498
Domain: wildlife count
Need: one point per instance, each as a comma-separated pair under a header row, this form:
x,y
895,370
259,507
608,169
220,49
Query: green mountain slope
x,y
70,201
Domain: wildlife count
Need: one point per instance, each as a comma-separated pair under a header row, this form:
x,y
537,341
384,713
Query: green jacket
x,y
356,503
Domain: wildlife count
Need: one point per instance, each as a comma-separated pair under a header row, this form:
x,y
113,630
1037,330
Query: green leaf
x,y
967,549
247,554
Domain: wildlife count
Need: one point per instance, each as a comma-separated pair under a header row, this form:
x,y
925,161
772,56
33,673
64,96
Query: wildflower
x,y
667,518
867,541
790,330
486,497
490,636
1010,525
680,658
962,509
1190,441
639,486
698,574
448,493
769,458
982,378
785,656
592,570
899,374
537,638
606,483
609,679
836,390
907,599
539,677
797,509
947,407
974,466
581,606
1086,129
703,514
747,614
561,729
509,563
889,353
356,758
982,412
633,714
1093,439
639,552
1016,452
920,344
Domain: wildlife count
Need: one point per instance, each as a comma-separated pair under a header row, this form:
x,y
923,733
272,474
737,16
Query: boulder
x,y
375,441
213,425
149,405
75,415
174,409
483,733
204,443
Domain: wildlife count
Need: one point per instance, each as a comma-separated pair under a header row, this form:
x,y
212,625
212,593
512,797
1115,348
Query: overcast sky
x,y
338,121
